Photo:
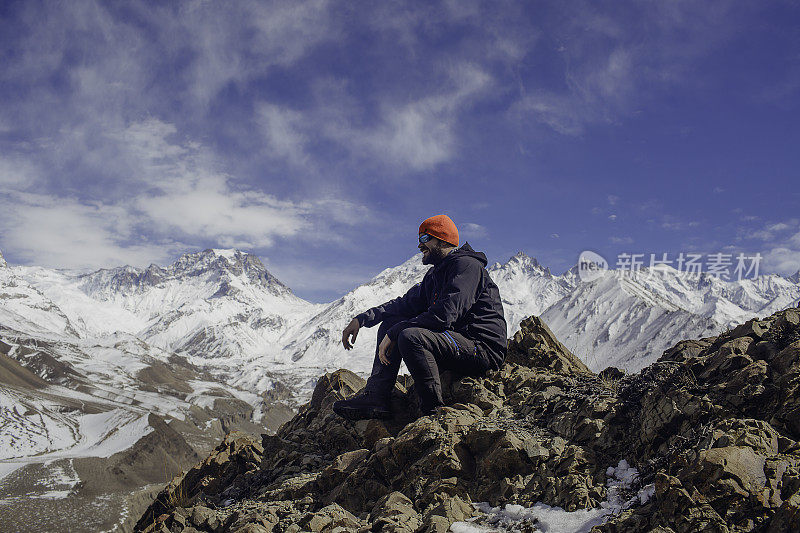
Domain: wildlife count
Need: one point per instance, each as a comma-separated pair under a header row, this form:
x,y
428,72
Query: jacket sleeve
x,y
458,296
409,305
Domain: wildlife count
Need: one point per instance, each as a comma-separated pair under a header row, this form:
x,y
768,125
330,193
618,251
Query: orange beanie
x,y
441,227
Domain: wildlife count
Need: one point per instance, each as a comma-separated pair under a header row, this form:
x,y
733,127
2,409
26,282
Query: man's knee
x,y
410,338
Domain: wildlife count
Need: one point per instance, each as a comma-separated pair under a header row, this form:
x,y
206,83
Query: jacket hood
x,y
466,250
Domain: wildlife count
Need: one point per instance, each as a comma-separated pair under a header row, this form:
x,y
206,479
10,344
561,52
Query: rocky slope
x,y
712,427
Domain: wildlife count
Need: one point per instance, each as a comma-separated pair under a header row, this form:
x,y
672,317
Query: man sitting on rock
x,y
452,320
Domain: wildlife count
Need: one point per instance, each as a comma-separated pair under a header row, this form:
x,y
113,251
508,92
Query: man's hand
x,y
350,331
385,349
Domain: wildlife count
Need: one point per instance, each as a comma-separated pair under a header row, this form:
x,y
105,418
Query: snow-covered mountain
x,y
220,308
228,315
527,288
628,319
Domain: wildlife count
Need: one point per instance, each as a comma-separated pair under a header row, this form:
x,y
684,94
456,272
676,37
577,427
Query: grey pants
x,y
425,353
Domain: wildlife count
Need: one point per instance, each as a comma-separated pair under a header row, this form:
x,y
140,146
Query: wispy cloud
x,y
613,66
409,134
281,128
182,200
779,244
470,230
65,233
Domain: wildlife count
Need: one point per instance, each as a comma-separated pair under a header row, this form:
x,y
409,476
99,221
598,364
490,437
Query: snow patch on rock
x,y
622,483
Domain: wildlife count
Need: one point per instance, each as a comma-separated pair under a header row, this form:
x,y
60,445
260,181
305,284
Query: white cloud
x,y
179,199
16,173
785,261
770,232
412,134
780,242
281,129
613,65
470,230
207,207
422,133
65,233
555,110
234,42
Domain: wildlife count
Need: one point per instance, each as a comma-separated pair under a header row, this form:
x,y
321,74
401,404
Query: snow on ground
x,y
61,479
104,434
57,484
7,468
41,429
622,483
29,427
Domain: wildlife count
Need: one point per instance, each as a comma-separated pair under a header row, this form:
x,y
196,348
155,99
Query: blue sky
x,y
319,134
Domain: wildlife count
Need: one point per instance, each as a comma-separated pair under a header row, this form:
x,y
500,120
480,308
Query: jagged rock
x,y
535,346
342,467
395,513
714,424
686,512
754,328
236,455
439,516
741,469
330,519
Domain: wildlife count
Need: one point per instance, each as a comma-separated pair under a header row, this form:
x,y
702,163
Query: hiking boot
x,y
365,404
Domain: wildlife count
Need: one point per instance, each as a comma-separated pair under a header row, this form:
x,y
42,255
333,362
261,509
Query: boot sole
x,y
361,414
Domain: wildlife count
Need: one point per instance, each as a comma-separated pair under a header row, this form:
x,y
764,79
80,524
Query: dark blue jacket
x,y
456,295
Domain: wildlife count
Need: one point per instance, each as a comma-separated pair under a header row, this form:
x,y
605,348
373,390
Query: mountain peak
x,y
215,266
2,261
228,253
522,256
526,263
228,261
794,277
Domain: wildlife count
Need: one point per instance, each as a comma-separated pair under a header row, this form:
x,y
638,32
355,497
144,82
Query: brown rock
x,y
685,512
753,328
535,346
395,513
329,519
342,467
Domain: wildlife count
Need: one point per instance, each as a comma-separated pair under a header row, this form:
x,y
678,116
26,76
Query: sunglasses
x,y
424,238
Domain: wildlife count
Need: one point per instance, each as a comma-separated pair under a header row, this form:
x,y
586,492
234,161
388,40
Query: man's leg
x,y
383,377
425,352
373,400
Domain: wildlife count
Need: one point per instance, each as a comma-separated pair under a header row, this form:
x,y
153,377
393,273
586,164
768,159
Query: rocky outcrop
x,y
712,427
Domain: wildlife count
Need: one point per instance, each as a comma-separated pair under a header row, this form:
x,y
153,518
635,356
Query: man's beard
x,y
433,257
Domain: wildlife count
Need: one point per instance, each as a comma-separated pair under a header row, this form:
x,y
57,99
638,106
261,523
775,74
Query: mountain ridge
x,y
223,308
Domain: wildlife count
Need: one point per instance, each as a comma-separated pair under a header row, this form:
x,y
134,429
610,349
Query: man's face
x,y
431,251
